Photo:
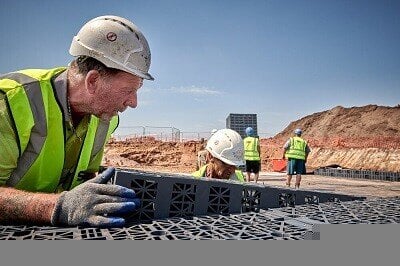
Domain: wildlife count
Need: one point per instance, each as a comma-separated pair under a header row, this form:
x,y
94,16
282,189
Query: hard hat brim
x,y
229,162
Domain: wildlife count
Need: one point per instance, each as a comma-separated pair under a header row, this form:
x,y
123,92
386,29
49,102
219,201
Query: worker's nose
x,y
132,101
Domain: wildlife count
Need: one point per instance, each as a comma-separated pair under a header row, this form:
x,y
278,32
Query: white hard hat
x,y
227,146
116,42
213,131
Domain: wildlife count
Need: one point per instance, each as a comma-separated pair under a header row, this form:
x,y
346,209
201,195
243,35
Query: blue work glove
x,y
94,204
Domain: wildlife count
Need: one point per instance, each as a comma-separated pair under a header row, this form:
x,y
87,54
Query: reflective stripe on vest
x,y
33,107
250,149
202,173
297,149
96,136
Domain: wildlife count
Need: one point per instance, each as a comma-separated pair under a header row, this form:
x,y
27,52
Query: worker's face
x,y
115,94
221,170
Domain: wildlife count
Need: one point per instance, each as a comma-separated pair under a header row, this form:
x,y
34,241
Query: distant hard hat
x,y
116,42
298,131
227,146
213,131
249,131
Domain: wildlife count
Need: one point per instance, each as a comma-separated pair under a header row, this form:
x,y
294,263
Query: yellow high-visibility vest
x,y
39,126
297,149
202,173
250,149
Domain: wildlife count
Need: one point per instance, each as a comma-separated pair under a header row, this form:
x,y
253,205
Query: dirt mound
x,y
154,155
355,122
365,137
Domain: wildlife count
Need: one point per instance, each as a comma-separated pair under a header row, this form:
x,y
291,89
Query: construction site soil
x,y
366,138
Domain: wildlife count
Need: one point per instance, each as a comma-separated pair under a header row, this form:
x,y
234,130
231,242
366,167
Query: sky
x,y
281,60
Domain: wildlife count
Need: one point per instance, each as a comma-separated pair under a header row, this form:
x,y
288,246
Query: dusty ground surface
x,y
356,187
357,138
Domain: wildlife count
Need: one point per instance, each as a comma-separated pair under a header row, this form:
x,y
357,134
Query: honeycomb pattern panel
x,y
182,200
251,200
286,199
218,201
146,191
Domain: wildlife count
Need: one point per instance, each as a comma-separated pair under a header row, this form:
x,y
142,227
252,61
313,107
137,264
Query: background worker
x,y
54,124
252,154
225,153
296,151
202,153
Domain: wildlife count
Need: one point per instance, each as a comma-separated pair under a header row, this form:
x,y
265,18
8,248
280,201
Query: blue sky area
x,y
279,59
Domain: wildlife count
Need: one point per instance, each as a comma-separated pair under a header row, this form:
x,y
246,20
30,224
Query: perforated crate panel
x,y
288,223
374,211
359,174
171,195
263,225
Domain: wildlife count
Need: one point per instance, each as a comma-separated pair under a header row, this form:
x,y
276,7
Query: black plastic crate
x,y
170,195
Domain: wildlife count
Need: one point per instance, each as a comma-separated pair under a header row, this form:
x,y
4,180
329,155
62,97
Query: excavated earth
x,y
365,138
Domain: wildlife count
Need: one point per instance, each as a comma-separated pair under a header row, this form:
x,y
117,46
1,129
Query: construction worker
x,y
54,124
296,151
202,153
252,154
225,153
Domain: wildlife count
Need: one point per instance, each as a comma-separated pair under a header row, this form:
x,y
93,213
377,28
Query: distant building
x,y
239,123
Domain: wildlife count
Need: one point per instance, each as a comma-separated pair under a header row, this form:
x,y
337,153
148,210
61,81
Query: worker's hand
x,y
94,204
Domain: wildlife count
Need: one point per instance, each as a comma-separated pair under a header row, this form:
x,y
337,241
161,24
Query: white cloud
x,y
195,90
200,100
147,90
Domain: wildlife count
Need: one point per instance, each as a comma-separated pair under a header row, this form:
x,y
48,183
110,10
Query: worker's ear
x,y
92,81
